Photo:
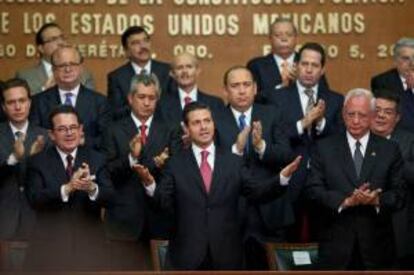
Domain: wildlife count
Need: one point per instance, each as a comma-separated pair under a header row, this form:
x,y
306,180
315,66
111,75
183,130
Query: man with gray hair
x,y
357,178
142,137
277,69
400,79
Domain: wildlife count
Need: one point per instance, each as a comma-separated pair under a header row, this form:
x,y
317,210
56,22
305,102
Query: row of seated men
x,y
268,137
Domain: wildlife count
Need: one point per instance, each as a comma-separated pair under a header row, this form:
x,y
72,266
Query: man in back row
x,y
40,77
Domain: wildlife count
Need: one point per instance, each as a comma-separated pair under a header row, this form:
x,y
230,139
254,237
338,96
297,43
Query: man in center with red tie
x,y
201,186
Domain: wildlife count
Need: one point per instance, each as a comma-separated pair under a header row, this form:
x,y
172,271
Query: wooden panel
x,y
359,34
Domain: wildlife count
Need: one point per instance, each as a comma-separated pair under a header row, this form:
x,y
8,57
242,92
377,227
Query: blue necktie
x,y
68,99
242,125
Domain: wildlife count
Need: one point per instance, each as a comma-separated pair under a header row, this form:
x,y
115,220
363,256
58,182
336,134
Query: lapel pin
x,y
373,154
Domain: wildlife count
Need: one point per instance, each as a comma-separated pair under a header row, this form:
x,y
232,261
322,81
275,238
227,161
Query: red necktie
x,y
205,170
143,129
187,100
69,166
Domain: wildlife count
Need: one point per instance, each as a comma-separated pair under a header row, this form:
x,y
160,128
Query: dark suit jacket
x,y
333,178
402,219
68,235
391,80
92,107
127,213
277,213
170,105
119,84
267,75
16,216
288,101
208,221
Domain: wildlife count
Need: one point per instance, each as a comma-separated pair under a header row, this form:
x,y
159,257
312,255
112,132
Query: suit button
x,y
21,189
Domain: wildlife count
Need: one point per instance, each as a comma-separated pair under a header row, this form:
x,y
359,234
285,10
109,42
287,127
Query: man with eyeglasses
x,y
40,76
19,140
387,115
400,79
93,109
137,46
67,185
277,69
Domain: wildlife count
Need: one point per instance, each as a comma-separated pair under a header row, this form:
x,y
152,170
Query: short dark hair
x,y
62,109
234,68
313,47
131,31
39,35
13,83
390,96
193,106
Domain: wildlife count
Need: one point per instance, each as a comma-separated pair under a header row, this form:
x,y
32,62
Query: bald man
x,y
185,71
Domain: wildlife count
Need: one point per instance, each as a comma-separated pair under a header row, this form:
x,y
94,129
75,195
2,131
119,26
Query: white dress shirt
x,y
138,123
74,97
138,69
279,61
182,95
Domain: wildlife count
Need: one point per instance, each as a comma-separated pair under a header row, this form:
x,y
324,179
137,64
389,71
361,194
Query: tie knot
x,y
309,92
18,134
285,64
143,127
69,159
357,144
204,155
187,100
68,99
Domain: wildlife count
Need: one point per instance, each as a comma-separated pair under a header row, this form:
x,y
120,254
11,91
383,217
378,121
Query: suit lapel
x,y
194,170
369,159
154,137
56,165
294,99
345,155
217,172
82,103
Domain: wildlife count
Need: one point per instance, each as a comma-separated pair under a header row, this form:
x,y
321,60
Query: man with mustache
x,y
137,45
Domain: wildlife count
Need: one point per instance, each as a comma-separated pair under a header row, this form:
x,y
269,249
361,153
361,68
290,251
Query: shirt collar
x,y
279,60
138,69
23,130
197,149
192,94
63,154
301,89
74,91
247,113
138,122
363,140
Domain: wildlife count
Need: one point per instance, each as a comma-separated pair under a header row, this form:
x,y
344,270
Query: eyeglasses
x,y
67,129
54,39
69,65
386,112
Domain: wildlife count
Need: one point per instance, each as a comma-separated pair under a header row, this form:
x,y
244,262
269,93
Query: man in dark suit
x,y
357,177
19,139
146,138
91,106
185,71
67,184
400,80
201,185
137,45
40,76
277,69
310,112
253,131
384,124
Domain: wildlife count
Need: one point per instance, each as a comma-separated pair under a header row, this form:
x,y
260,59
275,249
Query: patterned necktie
x,y
68,99
143,72
187,100
242,125
143,129
285,72
358,158
18,135
69,166
205,169
311,100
